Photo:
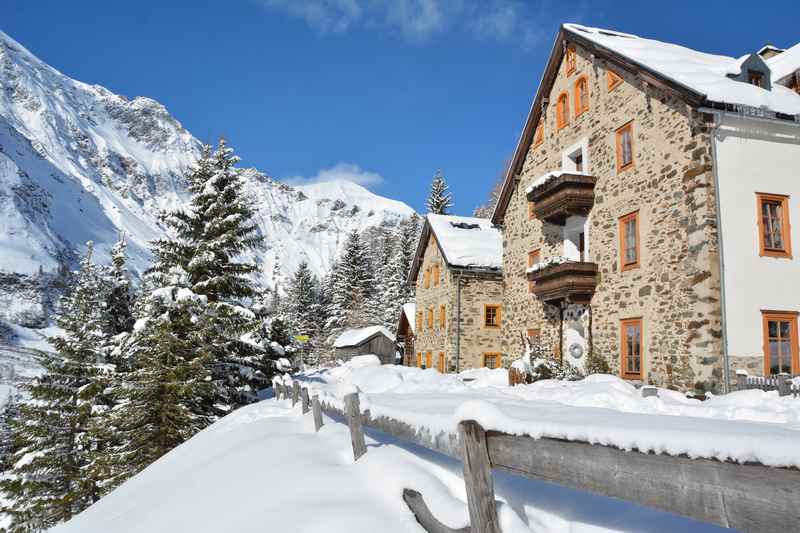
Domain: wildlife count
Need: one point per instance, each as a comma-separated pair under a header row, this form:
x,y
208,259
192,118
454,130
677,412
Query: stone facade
x,y
472,339
676,288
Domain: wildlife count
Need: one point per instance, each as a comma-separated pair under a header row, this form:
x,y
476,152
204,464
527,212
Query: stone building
x,y
457,278
645,214
405,333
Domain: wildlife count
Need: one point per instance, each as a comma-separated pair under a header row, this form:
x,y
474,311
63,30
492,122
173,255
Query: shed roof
x,y
356,337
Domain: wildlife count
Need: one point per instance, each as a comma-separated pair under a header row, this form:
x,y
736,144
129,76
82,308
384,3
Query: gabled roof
x,y
465,242
408,310
356,337
785,63
699,78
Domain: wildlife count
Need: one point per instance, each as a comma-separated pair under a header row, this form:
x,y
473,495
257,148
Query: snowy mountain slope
x,y
79,163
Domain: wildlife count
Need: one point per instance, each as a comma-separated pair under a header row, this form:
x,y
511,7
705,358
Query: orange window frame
x,y
623,233
613,80
533,257
419,359
781,316
570,59
623,348
440,365
419,324
498,359
436,271
426,279
786,228
430,319
442,316
620,136
538,134
497,314
581,96
562,111
428,359
531,212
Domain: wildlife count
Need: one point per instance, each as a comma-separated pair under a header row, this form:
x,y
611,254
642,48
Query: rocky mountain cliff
x,y
79,163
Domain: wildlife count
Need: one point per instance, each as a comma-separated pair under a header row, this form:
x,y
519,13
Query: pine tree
x,y
212,235
439,199
353,285
53,477
120,299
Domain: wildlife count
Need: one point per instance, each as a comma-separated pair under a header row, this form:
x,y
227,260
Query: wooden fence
x,y
782,383
749,498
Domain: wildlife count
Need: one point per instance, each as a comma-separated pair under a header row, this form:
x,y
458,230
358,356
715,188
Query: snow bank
x,y
263,468
354,337
745,426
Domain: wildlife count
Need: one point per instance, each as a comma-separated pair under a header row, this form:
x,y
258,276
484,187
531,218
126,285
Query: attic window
x,y
464,225
755,77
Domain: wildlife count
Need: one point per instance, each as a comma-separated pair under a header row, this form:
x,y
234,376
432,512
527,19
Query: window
x,y
440,366
581,95
562,111
613,80
531,212
538,135
436,272
625,147
773,226
631,348
491,316
578,162
430,319
419,359
427,278
755,77
491,360
419,321
428,357
780,342
534,257
629,241
570,60
442,316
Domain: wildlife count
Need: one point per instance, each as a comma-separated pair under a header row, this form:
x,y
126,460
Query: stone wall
x,y
477,289
675,290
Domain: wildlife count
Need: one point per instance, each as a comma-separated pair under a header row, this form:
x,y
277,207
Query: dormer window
x,y
755,77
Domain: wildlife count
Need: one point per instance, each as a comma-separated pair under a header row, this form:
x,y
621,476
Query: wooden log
x,y
743,497
354,420
424,516
304,398
295,393
317,409
478,478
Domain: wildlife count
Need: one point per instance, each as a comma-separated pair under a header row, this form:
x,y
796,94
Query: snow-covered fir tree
x,y
53,477
439,200
212,235
120,298
353,284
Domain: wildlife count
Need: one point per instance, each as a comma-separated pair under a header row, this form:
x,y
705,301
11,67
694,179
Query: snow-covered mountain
x,y
79,163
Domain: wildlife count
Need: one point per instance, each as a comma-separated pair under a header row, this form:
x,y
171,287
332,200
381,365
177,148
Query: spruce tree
x,y
301,300
53,477
120,298
353,284
439,199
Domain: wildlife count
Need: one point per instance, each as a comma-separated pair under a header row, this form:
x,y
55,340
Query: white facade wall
x,y
756,157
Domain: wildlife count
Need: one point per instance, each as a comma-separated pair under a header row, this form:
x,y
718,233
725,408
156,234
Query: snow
x,y
744,426
263,466
354,337
698,71
785,63
541,180
481,246
410,309
551,261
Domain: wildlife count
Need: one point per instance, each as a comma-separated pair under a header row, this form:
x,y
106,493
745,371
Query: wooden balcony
x,y
562,197
572,282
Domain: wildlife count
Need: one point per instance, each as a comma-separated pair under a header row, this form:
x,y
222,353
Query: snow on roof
x,y
354,337
409,309
468,241
700,72
785,63
541,180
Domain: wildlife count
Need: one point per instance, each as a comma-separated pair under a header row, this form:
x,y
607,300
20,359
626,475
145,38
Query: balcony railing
x,y
570,282
563,196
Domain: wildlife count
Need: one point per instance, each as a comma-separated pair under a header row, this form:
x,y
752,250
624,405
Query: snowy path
x,y
263,468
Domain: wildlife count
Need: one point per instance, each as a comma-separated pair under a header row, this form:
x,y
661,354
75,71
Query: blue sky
x,y
381,92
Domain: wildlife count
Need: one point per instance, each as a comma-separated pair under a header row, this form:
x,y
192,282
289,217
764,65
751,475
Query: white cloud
x,y
340,172
417,20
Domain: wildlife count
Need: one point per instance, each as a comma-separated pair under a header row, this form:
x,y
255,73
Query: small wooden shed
x,y
375,340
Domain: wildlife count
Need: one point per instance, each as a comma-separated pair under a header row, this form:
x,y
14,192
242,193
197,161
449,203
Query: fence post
x,y
353,412
295,392
784,384
317,408
304,398
478,478
281,390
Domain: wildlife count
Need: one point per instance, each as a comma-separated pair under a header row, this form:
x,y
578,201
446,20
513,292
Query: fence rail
x,y
783,383
749,498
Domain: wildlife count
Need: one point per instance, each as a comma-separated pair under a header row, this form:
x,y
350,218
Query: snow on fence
x,y
746,497
783,383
